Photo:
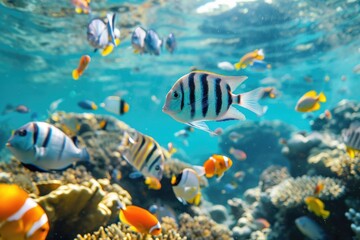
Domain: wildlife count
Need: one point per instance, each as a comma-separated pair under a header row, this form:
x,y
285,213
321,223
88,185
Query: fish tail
x,y
249,100
322,97
107,50
237,65
325,214
84,155
75,74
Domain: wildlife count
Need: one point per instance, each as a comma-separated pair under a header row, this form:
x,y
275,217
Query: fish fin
x,y
200,125
134,229
237,66
197,199
122,216
75,74
325,214
351,152
232,114
249,100
33,168
93,106
135,175
234,81
311,93
315,107
107,50
117,42
200,170
322,97
261,53
219,177
84,155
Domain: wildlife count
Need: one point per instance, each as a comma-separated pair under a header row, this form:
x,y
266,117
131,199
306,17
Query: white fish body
x,y
138,39
41,146
202,96
226,66
188,186
310,228
97,33
115,104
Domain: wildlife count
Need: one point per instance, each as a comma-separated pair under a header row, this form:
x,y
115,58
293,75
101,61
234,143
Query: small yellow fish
x,y
309,102
248,58
316,206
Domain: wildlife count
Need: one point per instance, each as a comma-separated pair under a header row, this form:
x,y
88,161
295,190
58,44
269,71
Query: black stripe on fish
x,y
62,148
47,138
122,103
239,98
182,95
36,133
204,94
148,156
229,96
355,140
192,94
218,95
141,145
157,159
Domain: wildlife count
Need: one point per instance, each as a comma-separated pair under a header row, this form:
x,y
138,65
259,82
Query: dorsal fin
x,y
311,93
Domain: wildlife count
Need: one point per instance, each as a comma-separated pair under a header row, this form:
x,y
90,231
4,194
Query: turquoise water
x,y
42,42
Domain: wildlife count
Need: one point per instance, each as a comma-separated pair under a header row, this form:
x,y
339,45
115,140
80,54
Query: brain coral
x,y
291,192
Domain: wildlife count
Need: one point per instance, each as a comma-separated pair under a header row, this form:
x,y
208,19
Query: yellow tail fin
x,y
237,66
75,74
325,214
107,50
322,97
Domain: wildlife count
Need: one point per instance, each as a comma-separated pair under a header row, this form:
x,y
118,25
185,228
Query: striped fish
x,y
115,104
351,138
144,154
203,96
42,147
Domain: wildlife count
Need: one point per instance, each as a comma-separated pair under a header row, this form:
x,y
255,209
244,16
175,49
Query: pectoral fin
x,y
201,125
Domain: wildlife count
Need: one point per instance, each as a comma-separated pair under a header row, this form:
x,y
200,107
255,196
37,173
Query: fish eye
x,y
22,132
157,168
176,94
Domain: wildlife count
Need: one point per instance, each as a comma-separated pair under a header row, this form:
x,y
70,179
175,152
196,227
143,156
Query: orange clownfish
x,y
20,216
140,220
84,62
248,58
309,102
215,165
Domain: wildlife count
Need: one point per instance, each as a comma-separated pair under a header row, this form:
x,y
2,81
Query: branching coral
x,y
201,227
291,192
121,231
354,216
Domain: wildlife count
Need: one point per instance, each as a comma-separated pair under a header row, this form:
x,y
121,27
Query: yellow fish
x,y
249,58
309,102
316,206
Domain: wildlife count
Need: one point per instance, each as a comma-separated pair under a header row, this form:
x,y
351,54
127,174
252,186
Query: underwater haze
x,y
289,165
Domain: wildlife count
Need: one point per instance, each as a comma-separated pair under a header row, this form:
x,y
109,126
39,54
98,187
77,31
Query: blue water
x,y
41,43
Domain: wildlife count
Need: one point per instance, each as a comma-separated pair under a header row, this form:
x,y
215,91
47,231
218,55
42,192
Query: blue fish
x,y
87,104
153,42
170,43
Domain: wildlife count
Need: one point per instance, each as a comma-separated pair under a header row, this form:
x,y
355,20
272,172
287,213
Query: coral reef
x,y
354,217
291,192
343,114
200,227
121,231
272,176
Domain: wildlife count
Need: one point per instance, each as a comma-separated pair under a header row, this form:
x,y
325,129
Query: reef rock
x,y
74,209
344,113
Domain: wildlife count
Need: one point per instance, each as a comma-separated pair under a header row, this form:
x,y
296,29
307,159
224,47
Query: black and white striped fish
x,y
351,138
144,154
203,96
43,147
